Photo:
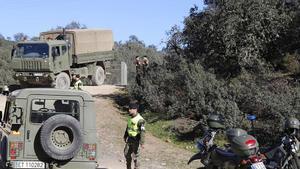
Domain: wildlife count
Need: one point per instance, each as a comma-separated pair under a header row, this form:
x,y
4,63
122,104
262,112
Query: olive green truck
x,y
46,128
58,55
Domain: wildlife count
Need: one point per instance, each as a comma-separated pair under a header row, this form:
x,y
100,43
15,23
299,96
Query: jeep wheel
x,y
99,76
62,81
61,137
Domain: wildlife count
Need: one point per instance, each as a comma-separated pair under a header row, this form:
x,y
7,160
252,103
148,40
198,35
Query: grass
x,y
161,130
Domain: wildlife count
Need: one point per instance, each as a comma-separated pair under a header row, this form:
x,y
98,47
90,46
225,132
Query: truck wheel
x,y
61,137
99,76
62,81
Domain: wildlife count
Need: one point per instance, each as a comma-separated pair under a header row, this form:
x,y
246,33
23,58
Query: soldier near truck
x,y
134,137
58,54
141,66
78,83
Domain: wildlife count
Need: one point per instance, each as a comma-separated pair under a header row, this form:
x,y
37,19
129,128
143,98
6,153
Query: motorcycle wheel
x,y
293,163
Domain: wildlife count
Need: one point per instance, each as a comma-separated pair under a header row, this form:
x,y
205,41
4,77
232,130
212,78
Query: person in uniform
x,y
139,69
134,136
5,90
78,83
145,63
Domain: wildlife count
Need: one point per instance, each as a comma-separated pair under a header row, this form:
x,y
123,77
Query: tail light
x,y
15,149
255,159
251,160
250,142
89,151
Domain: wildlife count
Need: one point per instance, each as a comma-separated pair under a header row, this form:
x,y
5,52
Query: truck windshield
x,y
34,50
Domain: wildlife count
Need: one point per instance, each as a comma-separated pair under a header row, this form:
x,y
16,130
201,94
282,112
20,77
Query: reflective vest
x,y
78,85
132,125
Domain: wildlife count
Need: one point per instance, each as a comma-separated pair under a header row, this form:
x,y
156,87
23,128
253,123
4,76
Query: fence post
x,y
123,74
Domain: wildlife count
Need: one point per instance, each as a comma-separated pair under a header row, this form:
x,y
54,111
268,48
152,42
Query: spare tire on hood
x,y
61,137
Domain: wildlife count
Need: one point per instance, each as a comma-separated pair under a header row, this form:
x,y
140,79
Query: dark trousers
x,y
131,152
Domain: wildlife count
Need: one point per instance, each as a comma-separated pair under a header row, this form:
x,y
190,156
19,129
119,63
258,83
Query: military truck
x,y
58,55
48,128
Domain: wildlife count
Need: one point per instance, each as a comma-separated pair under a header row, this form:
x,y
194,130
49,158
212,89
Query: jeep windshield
x,y
32,50
42,109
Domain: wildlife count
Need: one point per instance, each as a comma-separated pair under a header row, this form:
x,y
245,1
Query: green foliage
x,y
20,37
237,58
5,63
290,63
71,25
238,35
162,130
75,25
127,51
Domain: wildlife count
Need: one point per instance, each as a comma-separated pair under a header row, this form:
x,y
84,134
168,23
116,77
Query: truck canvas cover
x,y
84,41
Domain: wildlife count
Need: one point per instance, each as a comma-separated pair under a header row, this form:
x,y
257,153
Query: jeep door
x,y
41,108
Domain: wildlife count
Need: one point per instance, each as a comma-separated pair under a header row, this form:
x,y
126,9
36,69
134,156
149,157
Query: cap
x,y
133,106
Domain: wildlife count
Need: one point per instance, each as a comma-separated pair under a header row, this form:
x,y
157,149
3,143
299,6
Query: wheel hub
x,y
61,138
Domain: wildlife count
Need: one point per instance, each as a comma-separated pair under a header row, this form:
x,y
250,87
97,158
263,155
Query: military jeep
x,y
49,129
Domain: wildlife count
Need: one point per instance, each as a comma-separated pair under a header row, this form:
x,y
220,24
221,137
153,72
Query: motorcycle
x,y
242,152
205,146
285,155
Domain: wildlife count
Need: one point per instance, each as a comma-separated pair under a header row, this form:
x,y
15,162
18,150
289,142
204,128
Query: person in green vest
x,y
78,83
134,136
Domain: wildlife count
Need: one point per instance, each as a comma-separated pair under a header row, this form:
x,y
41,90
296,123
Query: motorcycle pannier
x,y
235,132
244,145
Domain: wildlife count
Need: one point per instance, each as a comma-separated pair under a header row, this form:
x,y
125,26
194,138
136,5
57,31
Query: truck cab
x,y
37,62
48,128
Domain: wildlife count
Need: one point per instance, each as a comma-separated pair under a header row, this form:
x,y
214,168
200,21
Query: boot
x,y
136,164
128,165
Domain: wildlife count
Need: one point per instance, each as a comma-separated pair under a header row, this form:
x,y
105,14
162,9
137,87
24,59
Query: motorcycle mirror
x,y
251,117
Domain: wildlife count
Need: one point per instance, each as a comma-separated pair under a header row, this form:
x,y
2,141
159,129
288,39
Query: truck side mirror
x,y
1,115
12,53
1,121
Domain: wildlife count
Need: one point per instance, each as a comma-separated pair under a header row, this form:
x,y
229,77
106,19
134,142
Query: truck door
x,y
39,110
60,58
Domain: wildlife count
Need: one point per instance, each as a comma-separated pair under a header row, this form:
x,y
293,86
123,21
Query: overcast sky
x,y
147,19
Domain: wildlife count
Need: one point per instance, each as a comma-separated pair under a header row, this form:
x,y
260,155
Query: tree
x,y
20,37
71,25
75,25
238,35
229,59
2,37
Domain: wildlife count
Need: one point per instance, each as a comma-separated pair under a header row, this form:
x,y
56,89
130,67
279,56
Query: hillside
x,y
5,68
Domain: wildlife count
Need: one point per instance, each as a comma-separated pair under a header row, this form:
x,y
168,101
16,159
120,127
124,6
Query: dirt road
x,y
111,125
